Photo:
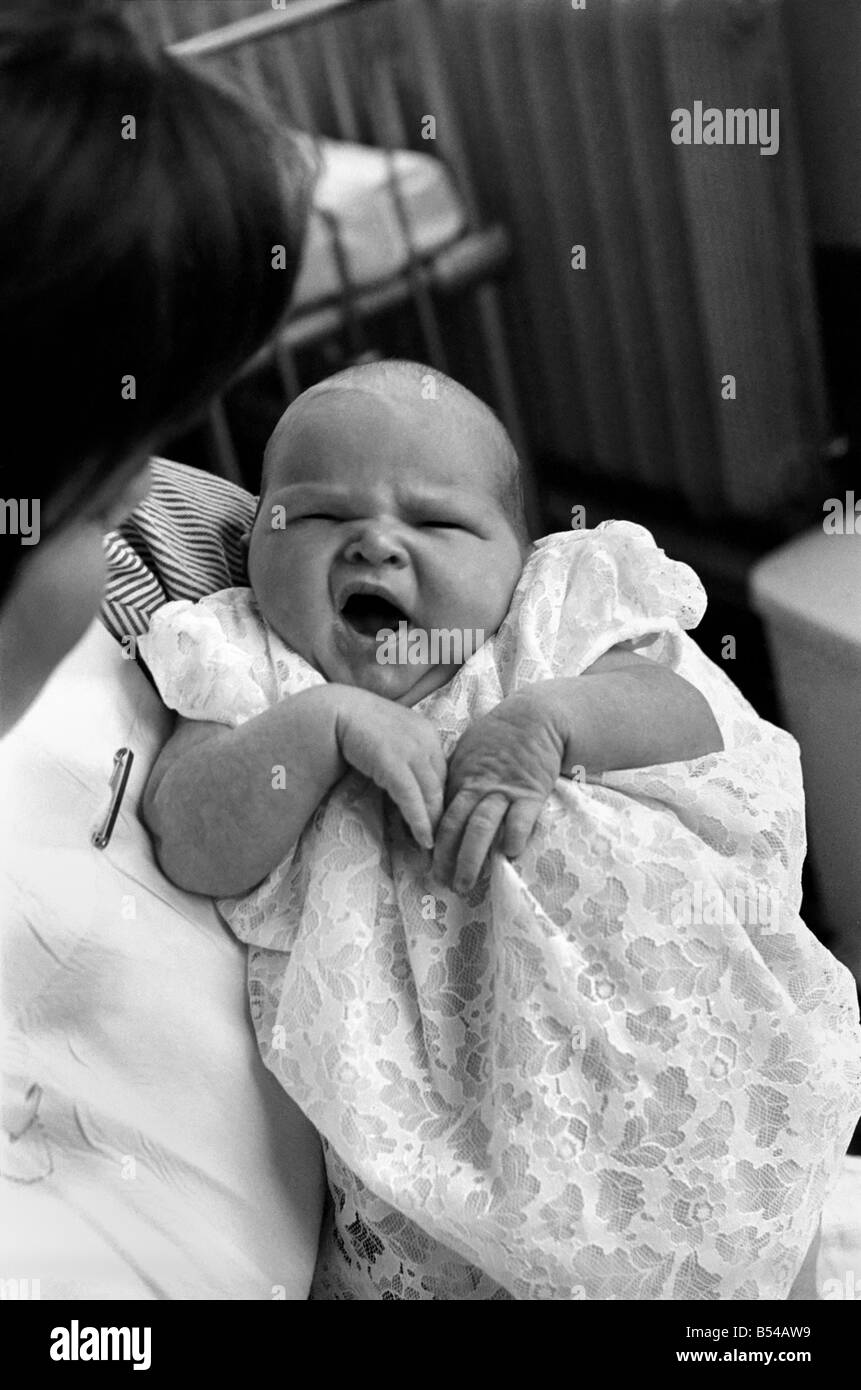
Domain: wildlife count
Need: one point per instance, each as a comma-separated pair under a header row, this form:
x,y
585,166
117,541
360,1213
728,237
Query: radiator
x,y
698,258
698,264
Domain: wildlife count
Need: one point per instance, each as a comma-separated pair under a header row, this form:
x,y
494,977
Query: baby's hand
x,y
399,750
500,775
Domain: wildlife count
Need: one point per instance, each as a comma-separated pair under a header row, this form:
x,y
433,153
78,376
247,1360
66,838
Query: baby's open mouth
x,y
367,614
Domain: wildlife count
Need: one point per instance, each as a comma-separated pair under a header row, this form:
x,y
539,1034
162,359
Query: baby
x,y
391,494
492,1019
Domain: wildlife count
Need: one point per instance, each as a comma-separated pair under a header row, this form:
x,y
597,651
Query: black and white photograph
x,y
430,667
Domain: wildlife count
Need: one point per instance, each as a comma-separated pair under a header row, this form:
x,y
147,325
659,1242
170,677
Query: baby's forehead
x,y
328,431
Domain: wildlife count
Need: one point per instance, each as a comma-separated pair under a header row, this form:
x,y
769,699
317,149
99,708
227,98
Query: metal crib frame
x,y
470,262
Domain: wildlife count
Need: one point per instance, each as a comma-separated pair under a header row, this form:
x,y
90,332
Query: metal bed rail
x,y
277,19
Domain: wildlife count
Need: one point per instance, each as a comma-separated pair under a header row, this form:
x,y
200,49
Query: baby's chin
x,y
405,685
350,659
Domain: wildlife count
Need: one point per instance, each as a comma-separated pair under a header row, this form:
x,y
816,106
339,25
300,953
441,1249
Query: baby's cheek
x,y
484,592
286,588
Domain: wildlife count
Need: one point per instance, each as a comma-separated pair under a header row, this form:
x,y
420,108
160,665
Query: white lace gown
x,y
621,1067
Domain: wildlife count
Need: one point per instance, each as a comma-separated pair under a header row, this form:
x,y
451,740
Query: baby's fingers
x,y
406,791
449,833
431,775
477,839
519,825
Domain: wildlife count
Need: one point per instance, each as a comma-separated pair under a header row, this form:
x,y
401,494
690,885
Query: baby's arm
x,y
625,711
222,818
628,711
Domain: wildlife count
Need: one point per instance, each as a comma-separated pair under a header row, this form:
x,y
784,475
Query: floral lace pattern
x,y
621,1067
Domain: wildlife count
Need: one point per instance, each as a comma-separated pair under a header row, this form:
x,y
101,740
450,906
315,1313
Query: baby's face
x,y
381,510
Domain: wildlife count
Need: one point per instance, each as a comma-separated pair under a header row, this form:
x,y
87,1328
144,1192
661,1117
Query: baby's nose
x,y
375,544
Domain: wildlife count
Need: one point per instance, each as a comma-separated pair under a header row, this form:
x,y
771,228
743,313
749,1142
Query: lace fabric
x,y
621,1067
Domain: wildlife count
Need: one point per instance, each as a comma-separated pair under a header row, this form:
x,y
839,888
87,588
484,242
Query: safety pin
x,y
123,759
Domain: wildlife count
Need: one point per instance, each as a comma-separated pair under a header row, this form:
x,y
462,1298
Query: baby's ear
x,y
245,541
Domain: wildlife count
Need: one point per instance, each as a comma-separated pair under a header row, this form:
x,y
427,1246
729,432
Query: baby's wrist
x,y
321,723
562,705
350,708
542,704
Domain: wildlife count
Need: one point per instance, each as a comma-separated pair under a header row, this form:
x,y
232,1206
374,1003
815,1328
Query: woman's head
x,y
142,209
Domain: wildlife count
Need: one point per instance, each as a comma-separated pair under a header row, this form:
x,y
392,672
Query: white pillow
x,y
354,194
145,1151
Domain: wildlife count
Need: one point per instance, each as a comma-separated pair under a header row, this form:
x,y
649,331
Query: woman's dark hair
x,y
149,257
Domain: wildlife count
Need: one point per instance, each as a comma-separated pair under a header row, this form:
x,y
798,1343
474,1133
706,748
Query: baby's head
x,y
390,494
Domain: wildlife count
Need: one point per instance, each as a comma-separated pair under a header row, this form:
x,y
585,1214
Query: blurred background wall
x,y
699,262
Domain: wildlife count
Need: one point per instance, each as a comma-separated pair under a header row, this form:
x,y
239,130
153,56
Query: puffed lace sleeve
x,y
210,660
585,592
613,586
